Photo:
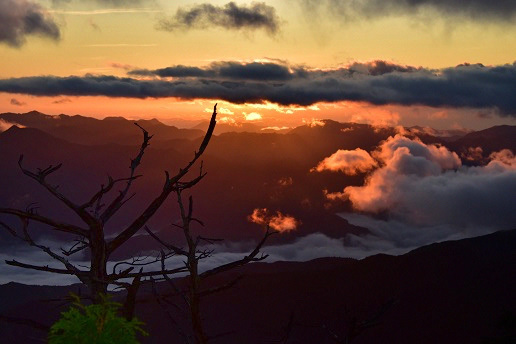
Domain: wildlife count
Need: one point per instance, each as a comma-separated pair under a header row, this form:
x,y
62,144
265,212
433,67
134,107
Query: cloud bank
x,y
231,16
463,86
306,248
424,195
22,18
258,71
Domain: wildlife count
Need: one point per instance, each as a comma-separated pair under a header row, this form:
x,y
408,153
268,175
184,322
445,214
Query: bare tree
x,y
195,252
91,237
95,215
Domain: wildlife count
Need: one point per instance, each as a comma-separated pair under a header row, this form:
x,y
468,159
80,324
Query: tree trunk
x,y
200,336
98,278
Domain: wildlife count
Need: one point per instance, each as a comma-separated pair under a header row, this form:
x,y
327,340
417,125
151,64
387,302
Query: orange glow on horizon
x,y
188,113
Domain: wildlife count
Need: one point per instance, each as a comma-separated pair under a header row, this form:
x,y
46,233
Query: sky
x,y
444,64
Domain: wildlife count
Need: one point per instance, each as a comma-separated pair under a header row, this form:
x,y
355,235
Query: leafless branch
x,y
62,227
80,244
44,268
118,202
175,249
41,175
171,282
169,186
252,257
8,228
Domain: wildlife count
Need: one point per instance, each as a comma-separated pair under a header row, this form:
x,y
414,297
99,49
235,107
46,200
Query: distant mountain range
x,y
448,293
91,131
246,170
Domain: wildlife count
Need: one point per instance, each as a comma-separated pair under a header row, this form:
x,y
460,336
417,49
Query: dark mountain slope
x,y
489,140
451,292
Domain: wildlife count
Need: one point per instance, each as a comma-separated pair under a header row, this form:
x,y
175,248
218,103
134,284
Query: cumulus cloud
x,y
469,9
425,195
465,86
505,156
20,18
473,154
253,116
231,16
277,221
350,162
436,154
314,122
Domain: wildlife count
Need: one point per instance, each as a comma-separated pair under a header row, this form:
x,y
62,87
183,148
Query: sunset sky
x,y
445,64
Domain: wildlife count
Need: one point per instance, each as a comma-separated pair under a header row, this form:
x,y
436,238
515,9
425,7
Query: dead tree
x,y
95,216
193,253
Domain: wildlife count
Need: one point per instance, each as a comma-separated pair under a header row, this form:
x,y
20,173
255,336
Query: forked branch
x,y
252,257
170,185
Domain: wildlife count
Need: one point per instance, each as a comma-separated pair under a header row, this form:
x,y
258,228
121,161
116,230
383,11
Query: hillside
x,y
451,292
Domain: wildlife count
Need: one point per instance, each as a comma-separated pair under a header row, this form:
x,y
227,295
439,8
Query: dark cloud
x,y
483,10
231,16
380,67
465,86
19,18
260,71
178,71
16,102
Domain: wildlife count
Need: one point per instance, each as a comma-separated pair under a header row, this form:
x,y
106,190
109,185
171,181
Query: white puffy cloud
x,y
424,195
350,162
253,116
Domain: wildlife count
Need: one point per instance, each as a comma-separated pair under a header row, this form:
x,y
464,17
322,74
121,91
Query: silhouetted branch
x,y
62,227
171,247
80,244
8,228
118,202
169,186
45,268
150,273
25,236
41,176
247,259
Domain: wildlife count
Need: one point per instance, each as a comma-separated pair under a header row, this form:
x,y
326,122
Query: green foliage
x,y
94,324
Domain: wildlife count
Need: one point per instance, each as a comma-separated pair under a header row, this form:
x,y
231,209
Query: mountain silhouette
x,y
450,292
